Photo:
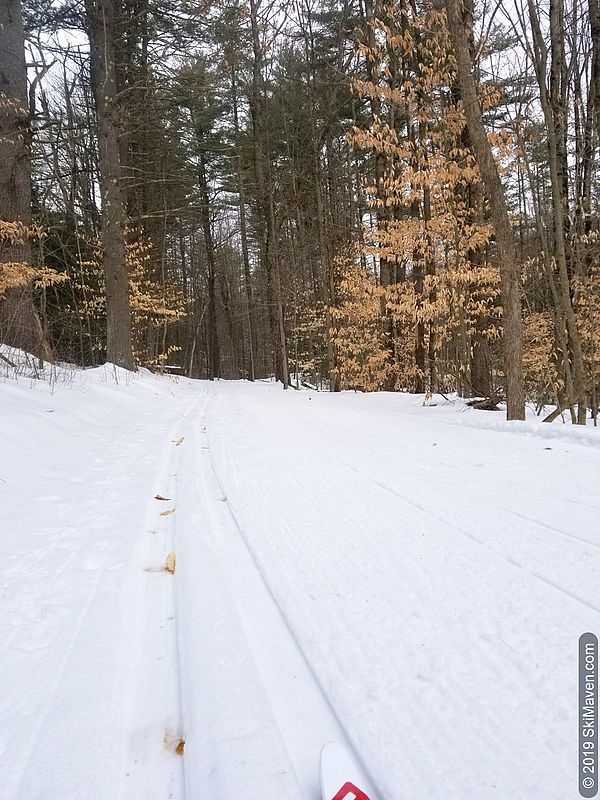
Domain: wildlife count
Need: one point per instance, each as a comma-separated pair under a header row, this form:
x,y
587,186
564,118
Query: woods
x,y
346,193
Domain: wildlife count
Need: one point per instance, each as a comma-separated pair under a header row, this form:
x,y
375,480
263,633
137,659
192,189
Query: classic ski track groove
x,y
285,629
401,567
152,551
343,435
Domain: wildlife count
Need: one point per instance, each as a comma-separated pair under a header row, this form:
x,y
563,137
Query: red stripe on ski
x,y
350,792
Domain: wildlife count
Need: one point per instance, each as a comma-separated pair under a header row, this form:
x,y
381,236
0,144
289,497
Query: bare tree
x,y
19,323
459,22
101,23
553,102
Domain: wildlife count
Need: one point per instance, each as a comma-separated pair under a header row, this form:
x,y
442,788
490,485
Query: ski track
x,y
311,701
328,464
407,581
284,751
153,714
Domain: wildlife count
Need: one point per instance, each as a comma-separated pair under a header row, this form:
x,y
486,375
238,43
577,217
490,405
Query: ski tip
x,y
341,777
328,747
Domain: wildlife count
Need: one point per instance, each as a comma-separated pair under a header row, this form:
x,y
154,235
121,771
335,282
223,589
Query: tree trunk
x,y
553,115
252,345
101,19
594,9
275,272
214,354
264,187
20,325
509,271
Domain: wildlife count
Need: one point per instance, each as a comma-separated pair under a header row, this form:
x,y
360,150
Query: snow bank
x,y
78,458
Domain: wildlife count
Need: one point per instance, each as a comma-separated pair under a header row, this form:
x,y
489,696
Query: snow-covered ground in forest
x,y
408,580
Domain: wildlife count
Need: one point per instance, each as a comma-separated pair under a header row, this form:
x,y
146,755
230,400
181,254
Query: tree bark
x,y
101,21
509,271
214,355
20,325
252,341
264,186
553,114
594,9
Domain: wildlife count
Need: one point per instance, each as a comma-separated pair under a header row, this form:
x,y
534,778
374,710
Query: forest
x,y
393,195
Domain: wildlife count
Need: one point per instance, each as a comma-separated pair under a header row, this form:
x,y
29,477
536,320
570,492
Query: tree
x,y
232,195
101,25
459,22
20,325
553,103
430,232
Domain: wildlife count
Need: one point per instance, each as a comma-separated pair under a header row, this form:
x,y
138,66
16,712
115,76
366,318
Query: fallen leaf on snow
x,y
173,743
170,563
167,512
160,497
179,441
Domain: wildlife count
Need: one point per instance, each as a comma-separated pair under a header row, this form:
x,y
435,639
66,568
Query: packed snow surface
x,y
410,581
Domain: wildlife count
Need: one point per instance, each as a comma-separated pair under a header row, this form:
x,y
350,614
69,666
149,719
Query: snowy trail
x,y
385,529
289,719
411,581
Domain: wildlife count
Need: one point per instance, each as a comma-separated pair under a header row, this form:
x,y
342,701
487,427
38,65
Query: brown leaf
x,y
173,743
170,563
160,497
167,512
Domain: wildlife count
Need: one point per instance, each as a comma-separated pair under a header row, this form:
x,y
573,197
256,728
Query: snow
x,y
410,581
